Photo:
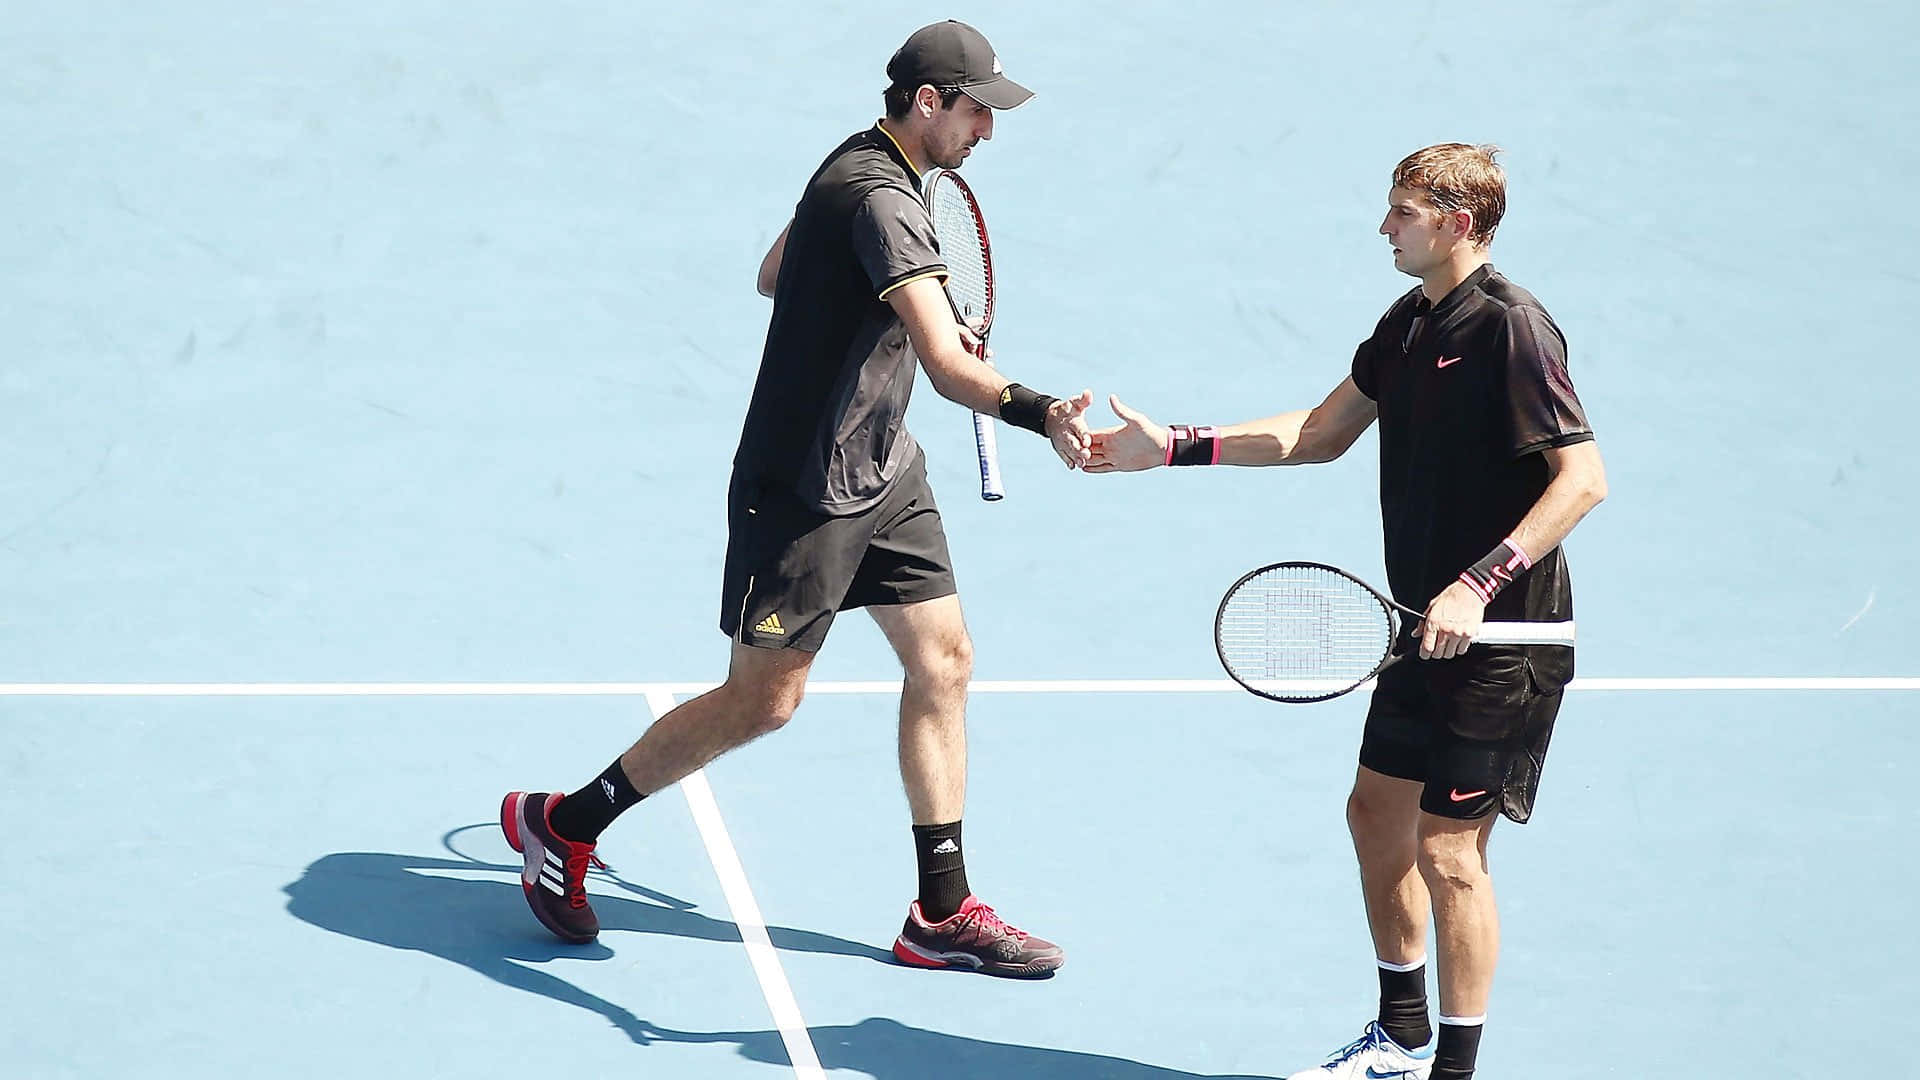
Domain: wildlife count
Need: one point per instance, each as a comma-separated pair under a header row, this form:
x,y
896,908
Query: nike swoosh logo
x,y
1457,797
1447,363
1397,1074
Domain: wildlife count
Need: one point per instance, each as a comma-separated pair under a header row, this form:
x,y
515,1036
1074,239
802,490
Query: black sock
x,y
1459,1047
582,816
943,870
1403,1006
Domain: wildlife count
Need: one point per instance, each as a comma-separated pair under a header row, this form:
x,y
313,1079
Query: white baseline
x,y
1766,684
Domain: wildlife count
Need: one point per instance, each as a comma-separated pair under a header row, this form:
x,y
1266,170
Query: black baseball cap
x,y
953,54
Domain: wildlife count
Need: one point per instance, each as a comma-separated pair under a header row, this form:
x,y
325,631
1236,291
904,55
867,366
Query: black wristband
x,y
1492,574
1024,408
1193,445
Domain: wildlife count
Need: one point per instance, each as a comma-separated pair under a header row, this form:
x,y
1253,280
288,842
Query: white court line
x,y
985,686
746,913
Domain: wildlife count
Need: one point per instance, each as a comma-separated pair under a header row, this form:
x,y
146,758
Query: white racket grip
x,y
991,489
1526,633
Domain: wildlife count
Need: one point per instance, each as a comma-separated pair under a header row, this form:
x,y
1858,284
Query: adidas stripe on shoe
x,y
554,873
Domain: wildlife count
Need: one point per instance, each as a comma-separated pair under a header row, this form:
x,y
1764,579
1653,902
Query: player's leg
x,y
1453,861
1498,706
763,688
1383,814
787,569
930,638
931,641
946,926
906,581
556,834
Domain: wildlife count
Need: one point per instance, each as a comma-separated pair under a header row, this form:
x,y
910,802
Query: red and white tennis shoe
x,y
977,939
554,876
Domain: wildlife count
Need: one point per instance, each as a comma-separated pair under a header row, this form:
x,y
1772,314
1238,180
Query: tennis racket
x,y
1304,631
962,234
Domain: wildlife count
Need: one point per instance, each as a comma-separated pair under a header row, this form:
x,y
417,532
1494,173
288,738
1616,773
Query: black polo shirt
x,y
1470,390
828,415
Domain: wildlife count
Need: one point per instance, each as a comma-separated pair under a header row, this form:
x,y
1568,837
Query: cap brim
x,y
999,93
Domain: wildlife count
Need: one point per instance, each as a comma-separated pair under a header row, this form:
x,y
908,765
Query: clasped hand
x,y
1066,417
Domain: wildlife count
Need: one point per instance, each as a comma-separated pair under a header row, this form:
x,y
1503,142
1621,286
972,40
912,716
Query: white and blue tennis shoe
x,y
1373,1056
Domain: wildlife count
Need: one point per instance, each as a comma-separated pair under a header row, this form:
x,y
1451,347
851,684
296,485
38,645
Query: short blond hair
x,y
1459,176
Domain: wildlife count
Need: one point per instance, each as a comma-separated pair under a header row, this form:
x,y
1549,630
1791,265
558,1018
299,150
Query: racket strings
x,y
1304,632
957,228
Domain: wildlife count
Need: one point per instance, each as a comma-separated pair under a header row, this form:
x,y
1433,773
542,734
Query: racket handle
x,y
1526,633
991,489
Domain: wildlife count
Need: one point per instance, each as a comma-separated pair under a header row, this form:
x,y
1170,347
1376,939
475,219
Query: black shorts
x,y
790,568
1473,729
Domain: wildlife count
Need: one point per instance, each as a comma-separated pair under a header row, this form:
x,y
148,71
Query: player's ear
x,y
927,100
1462,224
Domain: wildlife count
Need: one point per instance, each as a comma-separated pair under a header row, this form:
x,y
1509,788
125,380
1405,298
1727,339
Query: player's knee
x,y
1451,862
959,663
1373,820
780,707
945,670
771,719
763,709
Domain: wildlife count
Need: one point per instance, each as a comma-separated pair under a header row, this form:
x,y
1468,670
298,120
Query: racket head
x,y
962,234
1299,632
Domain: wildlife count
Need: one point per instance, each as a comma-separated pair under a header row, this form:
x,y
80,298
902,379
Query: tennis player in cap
x,y
829,509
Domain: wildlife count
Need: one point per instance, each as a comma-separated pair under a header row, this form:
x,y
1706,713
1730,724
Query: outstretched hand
x,y
1067,429
1136,444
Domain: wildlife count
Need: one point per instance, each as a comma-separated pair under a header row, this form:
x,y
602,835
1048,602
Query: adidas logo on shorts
x,y
771,625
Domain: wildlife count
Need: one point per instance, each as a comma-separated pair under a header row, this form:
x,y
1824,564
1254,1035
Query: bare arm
x,y
1577,482
959,376
956,374
770,263
1321,433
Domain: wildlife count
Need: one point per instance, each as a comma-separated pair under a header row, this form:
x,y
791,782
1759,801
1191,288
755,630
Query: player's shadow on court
x,y
889,1050
402,902
408,902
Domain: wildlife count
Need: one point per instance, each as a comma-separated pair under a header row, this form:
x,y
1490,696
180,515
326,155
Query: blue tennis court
x,y
370,376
